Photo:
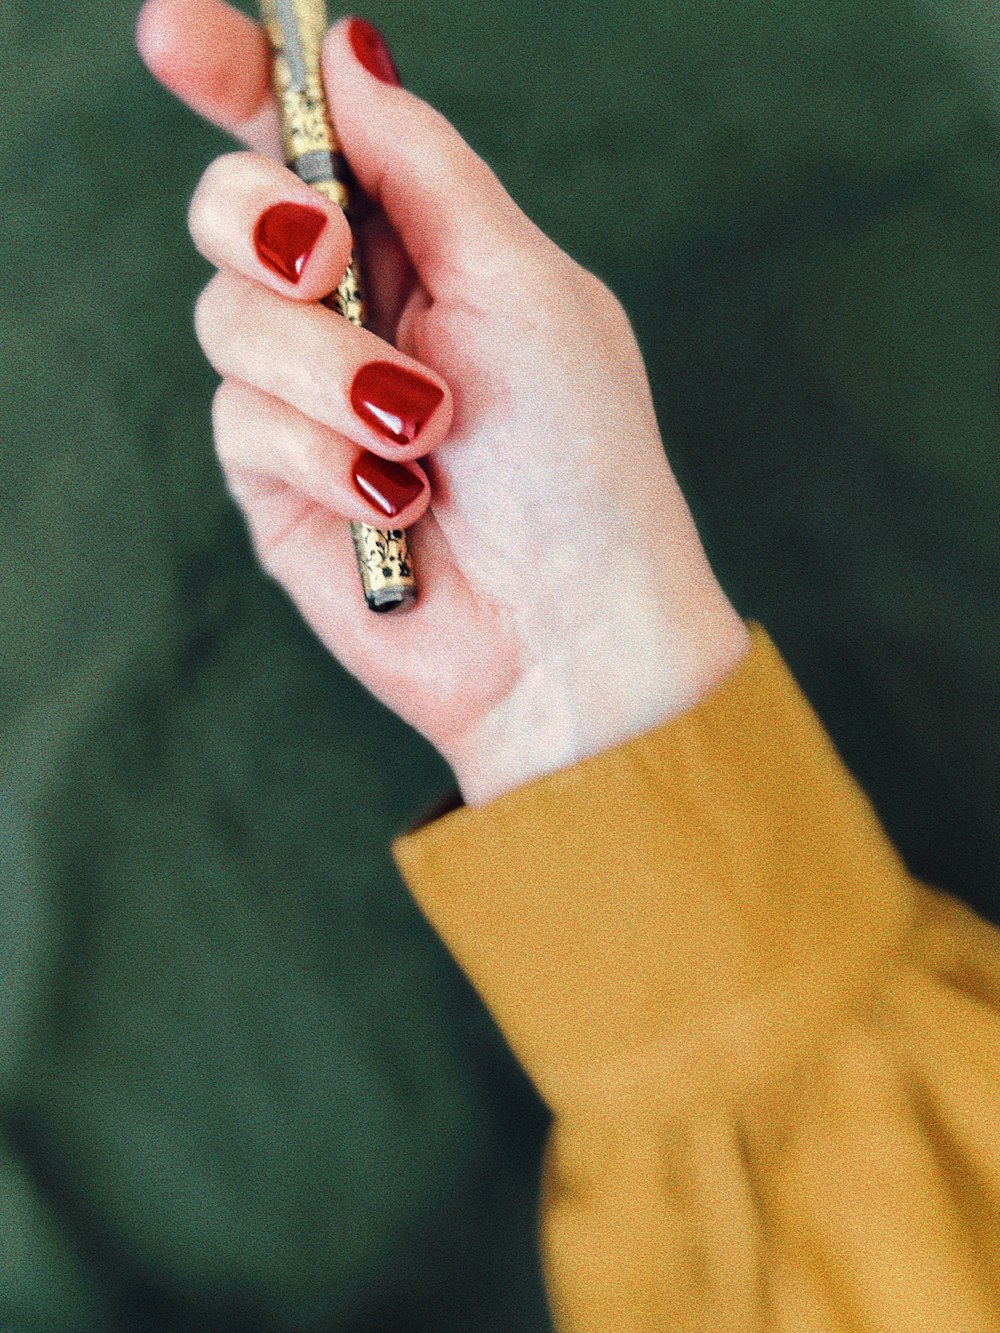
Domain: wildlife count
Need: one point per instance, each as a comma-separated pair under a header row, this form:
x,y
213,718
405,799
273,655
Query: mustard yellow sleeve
x,y
772,1056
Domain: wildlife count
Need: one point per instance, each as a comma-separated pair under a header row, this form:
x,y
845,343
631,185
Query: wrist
x,y
623,676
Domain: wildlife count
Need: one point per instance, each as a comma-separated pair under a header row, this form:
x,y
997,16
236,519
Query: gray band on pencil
x,y
323,166
316,166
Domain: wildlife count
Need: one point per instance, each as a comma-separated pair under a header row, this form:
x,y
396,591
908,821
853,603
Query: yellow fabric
x,y
772,1056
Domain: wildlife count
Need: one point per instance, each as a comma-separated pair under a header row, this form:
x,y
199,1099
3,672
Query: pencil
x,y
295,30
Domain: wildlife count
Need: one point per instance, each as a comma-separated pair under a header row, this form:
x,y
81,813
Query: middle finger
x,y
327,368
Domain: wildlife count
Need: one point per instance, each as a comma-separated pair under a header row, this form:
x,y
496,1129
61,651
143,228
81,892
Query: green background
x,y
242,1084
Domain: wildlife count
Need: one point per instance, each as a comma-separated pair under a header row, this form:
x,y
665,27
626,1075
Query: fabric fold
x,y
723,854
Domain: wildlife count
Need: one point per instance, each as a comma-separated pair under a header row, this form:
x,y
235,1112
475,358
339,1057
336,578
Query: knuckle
x,y
445,152
195,212
215,186
200,315
226,407
220,173
224,433
231,404
216,314
201,201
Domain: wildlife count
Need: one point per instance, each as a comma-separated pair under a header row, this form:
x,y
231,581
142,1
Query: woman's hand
x,y
566,602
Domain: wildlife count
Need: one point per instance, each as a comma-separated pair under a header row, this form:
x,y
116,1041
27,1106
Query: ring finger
x,y
266,447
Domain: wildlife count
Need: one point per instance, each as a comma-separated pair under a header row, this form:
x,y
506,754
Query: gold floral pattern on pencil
x,y
348,298
383,560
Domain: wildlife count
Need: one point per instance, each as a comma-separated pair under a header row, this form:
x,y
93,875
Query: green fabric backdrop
x,y
242,1084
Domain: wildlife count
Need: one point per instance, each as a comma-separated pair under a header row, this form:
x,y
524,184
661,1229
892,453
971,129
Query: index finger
x,y
216,60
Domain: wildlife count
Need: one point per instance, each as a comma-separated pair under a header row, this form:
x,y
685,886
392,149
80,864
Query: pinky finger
x,y
279,464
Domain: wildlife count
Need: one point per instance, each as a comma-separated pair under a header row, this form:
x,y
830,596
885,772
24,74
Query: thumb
x,y
465,236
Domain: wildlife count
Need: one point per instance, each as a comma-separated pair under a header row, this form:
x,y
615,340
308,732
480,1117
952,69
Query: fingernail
x,y
369,46
285,236
389,486
396,401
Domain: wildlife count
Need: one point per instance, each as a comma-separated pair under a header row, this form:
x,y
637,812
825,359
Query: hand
x,y
566,602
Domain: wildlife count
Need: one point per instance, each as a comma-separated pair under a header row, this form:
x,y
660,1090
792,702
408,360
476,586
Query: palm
x,y
490,554
417,663
497,555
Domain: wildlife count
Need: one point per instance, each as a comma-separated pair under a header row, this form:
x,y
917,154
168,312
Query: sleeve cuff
x,y
722,857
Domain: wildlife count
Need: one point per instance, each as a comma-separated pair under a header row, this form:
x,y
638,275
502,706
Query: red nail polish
x,y
396,401
369,46
389,486
285,235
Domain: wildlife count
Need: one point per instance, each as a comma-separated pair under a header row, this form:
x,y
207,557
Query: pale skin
x,y
566,602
